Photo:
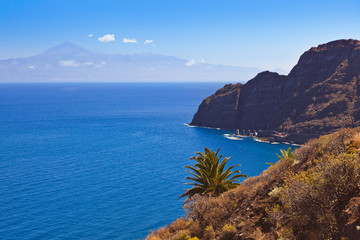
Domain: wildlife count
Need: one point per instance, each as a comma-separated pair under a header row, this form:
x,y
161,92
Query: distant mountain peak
x,y
67,49
68,62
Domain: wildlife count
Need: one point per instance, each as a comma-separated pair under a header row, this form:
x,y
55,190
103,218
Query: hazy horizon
x,y
125,54
262,34
68,62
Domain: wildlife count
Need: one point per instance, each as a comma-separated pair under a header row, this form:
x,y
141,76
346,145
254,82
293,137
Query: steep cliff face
x,y
221,109
262,96
320,94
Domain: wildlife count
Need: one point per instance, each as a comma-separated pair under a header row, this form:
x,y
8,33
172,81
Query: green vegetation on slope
x,y
312,194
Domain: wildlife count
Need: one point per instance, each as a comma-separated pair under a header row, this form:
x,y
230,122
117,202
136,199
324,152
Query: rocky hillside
x,y
320,94
314,194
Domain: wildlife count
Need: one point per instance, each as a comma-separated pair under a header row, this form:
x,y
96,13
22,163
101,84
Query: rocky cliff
x,y
320,95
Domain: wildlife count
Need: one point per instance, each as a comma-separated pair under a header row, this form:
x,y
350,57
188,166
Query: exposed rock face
x,y
319,95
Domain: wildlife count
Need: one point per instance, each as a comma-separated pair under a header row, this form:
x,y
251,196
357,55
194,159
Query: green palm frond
x,y
210,176
286,154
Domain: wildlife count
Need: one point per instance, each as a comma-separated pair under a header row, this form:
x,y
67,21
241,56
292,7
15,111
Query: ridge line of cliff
x,y
318,96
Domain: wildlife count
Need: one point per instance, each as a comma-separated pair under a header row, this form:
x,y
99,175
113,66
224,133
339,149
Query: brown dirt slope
x,y
315,195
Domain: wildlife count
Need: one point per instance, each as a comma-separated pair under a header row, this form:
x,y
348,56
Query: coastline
x,y
273,138
244,208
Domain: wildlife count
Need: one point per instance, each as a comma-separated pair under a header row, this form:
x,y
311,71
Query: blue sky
x,y
266,34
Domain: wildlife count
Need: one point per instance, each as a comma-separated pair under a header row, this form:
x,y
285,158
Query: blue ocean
x,y
104,161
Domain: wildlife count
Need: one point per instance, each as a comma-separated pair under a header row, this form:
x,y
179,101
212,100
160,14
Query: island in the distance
x,y
68,62
320,95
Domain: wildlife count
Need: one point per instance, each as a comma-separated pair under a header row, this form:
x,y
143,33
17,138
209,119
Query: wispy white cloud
x,y
100,64
69,63
107,38
202,61
90,35
129,40
191,62
148,41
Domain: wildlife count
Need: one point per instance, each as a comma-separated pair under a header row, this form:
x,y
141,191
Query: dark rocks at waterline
x,y
320,95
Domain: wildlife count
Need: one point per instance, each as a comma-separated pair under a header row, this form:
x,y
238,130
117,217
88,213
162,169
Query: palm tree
x,y
288,154
210,176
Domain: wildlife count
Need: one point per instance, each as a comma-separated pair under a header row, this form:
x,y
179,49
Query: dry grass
x,y
228,232
161,233
179,224
181,235
258,235
302,197
332,144
310,200
209,233
210,211
356,138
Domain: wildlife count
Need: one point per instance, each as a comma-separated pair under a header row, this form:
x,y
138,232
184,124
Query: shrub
x,y
228,232
258,235
152,237
275,192
162,233
208,211
279,169
209,233
352,147
310,199
195,228
332,144
181,235
179,224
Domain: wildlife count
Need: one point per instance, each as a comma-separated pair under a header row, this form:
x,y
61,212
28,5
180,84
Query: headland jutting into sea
x,y
312,193
318,96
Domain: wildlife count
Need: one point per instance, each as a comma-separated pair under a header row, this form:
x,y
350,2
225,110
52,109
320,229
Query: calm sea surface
x,y
103,161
